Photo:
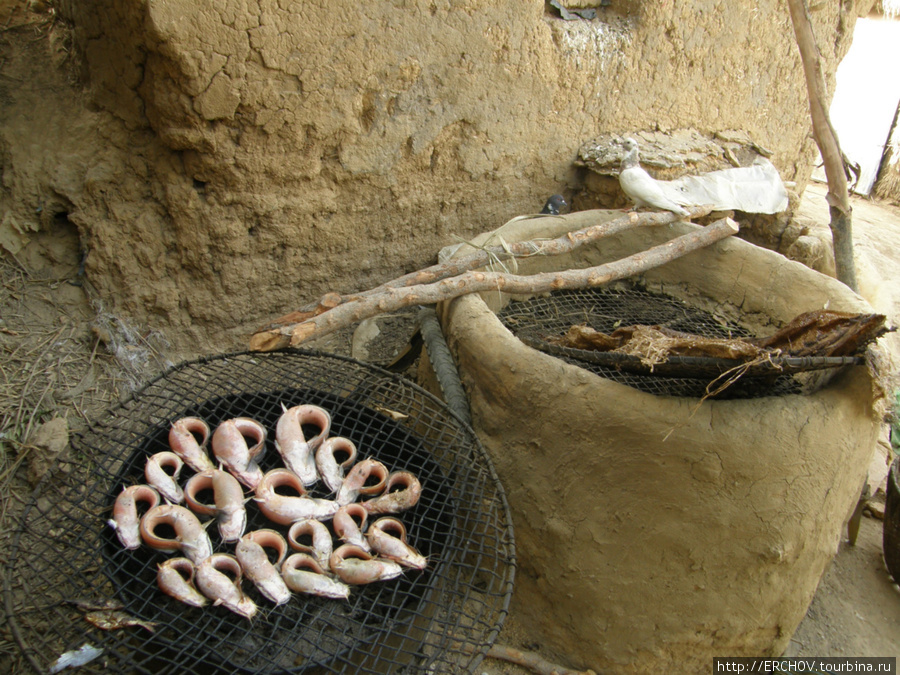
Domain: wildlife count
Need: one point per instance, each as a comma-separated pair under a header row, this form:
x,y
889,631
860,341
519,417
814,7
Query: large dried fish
x,y
657,343
826,333
821,333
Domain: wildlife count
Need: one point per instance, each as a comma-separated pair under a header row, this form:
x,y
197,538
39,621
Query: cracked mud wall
x,y
228,162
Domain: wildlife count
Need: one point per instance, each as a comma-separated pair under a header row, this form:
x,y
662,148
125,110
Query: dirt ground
x,y
64,356
856,611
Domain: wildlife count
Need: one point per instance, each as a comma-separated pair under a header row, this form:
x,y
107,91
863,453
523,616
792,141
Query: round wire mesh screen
x,y
64,559
607,308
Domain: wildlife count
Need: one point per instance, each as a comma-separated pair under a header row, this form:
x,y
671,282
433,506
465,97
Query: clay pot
x,y
656,532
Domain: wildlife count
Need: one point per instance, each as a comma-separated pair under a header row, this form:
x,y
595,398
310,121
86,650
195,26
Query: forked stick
x,y
526,249
488,254
389,299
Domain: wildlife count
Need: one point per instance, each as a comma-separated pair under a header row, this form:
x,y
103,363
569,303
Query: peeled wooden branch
x,y
534,662
483,256
392,299
526,249
838,196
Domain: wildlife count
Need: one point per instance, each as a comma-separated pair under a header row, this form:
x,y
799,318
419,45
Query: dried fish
x,y
108,619
393,414
827,333
819,333
77,657
91,604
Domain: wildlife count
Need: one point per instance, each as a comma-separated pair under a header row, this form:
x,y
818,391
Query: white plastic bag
x,y
752,189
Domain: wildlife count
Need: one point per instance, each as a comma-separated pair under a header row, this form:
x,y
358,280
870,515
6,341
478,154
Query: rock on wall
x,y
242,158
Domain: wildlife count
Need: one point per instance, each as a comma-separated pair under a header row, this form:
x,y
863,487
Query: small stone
x,y
874,509
363,339
47,442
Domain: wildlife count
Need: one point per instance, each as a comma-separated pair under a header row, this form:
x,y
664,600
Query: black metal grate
x,y
607,308
442,619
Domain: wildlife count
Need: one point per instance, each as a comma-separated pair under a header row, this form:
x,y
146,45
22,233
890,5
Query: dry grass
x,y
888,185
59,357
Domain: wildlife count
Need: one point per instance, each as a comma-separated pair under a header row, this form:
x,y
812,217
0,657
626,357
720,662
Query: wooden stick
x,y
526,249
534,662
838,196
481,257
392,299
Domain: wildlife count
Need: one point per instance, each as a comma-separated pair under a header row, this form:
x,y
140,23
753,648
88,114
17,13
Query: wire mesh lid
x,y
535,320
64,560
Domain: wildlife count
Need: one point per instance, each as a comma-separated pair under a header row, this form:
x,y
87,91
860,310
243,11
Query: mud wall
x,y
236,160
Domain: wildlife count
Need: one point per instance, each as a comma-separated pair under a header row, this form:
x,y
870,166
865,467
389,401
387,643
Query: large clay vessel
x,y
657,532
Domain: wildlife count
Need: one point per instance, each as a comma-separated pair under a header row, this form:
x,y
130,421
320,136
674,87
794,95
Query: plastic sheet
x,y
752,189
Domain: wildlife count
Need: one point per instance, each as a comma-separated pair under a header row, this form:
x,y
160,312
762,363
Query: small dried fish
x,y
352,565
108,619
75,658
91,604
393,414
387,538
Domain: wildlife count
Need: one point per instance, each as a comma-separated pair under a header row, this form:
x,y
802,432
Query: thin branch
x,y
486,254
392,299
534,662
826,138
